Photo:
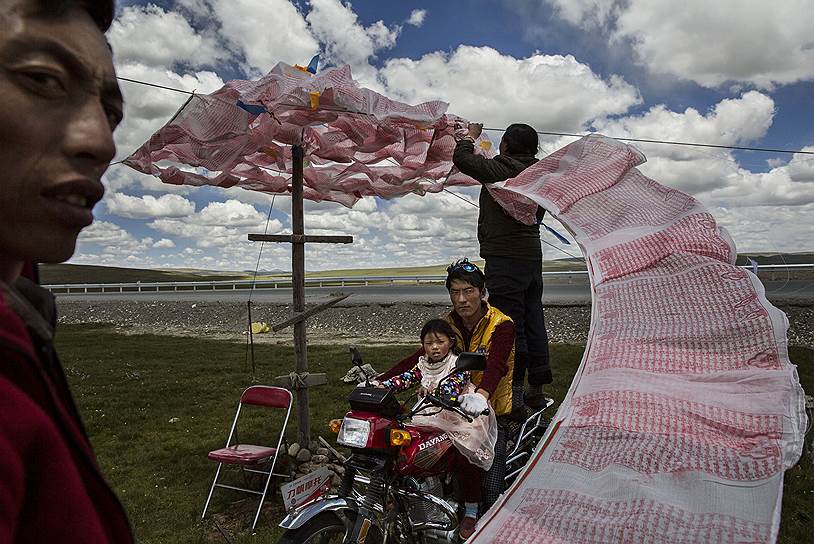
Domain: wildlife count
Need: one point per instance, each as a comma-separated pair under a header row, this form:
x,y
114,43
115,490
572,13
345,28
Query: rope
x,y
670,142
545,133
250,335
298,380
543,241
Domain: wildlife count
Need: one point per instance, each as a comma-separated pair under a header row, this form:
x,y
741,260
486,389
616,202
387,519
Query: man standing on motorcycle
x,y
480,327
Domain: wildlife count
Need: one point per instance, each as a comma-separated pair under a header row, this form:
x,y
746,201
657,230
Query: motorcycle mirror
x,y
355,356
356,359
471,360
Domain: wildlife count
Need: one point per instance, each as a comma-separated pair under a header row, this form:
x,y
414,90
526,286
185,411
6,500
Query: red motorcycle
x,y
396,487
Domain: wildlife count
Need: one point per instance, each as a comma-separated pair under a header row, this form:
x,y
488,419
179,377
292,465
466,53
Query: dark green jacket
x,y
499,234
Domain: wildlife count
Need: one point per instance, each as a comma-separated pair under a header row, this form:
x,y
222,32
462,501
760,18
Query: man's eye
x,y
46,81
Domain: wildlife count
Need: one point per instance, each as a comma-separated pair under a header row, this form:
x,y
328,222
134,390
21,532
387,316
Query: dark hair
x,y
101,11
521,139
463,270
439,326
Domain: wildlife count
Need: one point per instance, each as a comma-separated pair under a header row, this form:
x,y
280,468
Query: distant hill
x,y
51,274
776,258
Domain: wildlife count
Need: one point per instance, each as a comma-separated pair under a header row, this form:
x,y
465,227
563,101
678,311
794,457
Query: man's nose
x,y
89,136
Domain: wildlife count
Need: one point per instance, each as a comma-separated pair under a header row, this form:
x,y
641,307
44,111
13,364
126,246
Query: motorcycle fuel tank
x,y
430,452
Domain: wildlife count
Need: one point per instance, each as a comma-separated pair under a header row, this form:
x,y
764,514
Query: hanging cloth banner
x,y
357,142
685,410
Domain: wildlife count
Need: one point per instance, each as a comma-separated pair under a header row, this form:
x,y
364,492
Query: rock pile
x,y
315,456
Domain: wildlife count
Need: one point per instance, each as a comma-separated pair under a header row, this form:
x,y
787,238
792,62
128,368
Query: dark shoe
x,y
534,397
467,528
519,414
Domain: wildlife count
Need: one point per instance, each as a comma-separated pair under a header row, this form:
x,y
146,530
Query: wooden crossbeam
x,y
300,380
307,313
301,238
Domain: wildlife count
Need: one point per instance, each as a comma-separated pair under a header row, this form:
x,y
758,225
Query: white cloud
x,y
265,32
231,212
731,121
551,92
154,37
113,240
148,206
787,185
801,167
164,243
773,229
586,13
417,17
346,41
748,41
219,224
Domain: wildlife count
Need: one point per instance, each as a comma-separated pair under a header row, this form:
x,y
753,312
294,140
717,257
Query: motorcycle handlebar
x,y
452,405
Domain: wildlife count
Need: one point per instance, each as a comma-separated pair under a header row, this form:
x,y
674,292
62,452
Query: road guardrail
x,y
285,281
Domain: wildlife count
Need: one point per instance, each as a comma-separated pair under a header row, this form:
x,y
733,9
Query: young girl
x,y
474,440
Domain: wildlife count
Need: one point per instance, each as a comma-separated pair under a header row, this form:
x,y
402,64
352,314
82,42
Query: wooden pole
x,y
298,284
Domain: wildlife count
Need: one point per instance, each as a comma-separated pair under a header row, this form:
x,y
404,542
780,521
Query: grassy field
x,y
129,388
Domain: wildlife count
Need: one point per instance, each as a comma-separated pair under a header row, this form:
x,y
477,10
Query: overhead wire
x,y
550,133
544,133
543,241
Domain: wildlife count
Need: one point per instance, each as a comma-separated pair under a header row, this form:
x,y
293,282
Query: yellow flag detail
x,y
314,95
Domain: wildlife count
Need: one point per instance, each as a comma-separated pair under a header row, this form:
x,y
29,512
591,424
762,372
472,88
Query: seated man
x,y
479,326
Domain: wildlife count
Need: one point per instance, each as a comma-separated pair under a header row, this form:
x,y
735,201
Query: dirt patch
x,y
346,324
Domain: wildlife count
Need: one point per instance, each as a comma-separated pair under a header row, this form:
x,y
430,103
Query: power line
x,y
153,85
546,133
543,241
669,142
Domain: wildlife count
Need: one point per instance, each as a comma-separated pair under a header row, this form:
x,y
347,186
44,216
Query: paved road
x,y
557,293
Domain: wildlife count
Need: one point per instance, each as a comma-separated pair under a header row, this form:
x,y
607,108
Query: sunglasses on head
x,y
464,265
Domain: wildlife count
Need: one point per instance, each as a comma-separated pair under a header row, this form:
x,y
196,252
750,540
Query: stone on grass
x,y
303,455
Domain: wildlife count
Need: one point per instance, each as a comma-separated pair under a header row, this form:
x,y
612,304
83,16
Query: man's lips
x,y
72,201
80,192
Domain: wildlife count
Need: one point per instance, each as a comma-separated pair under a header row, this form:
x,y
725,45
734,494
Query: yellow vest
x,y
501,399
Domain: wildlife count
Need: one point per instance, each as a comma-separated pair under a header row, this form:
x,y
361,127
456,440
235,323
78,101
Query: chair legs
x,y
215,484
211,490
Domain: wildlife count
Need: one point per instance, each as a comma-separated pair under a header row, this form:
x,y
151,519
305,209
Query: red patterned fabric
x,y
685,410
357,142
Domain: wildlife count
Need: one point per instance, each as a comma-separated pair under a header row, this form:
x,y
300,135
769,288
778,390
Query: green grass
x,y
129,387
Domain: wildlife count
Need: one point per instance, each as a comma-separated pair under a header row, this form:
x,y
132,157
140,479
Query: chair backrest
x,y
266,395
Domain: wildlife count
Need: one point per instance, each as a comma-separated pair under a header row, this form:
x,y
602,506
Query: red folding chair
x,y
250,457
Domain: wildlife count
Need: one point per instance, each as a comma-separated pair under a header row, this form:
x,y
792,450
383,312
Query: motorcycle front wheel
x,y
324,528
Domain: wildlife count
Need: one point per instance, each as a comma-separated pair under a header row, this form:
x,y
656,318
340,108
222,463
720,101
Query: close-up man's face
x,y
59,105
465,298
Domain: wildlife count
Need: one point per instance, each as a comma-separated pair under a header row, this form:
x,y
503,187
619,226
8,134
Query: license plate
x,y
306,489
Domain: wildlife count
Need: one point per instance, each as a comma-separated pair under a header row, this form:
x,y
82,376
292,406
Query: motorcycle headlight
x,y
354,433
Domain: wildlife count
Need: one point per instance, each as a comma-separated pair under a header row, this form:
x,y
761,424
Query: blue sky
x,y
734,72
